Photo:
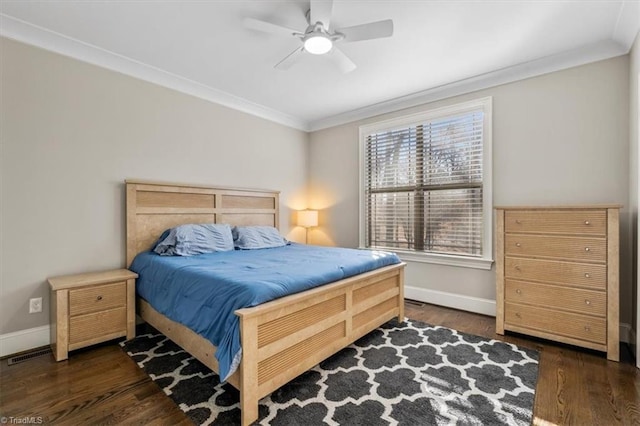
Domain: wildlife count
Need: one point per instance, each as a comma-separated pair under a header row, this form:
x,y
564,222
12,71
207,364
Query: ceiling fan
x,y
319,39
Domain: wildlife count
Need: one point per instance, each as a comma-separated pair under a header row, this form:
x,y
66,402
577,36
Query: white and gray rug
x,y
407,373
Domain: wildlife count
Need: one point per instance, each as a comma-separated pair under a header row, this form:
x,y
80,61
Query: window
x,y
426,185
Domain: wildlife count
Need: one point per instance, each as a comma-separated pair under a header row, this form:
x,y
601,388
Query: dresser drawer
x,y
586,222
97,298
590,249
555,271
91,327
577,326
588,302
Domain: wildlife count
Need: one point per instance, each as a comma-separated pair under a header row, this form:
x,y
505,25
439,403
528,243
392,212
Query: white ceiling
x,y
439,48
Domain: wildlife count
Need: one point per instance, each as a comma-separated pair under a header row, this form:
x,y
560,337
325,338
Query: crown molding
x,y
27,33
624,34
628,24
593,53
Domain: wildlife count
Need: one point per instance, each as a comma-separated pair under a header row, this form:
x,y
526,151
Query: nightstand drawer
x,y
566,324
93,327
97,298
555,271
586,222
556,297
574,248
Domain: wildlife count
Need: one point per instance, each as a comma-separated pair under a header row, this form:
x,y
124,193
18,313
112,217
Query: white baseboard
x,y
452,300
23,340
627,334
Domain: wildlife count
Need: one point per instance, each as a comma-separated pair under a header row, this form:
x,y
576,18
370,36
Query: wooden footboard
x,y
286,337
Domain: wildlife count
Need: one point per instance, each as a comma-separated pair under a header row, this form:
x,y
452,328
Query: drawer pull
x,y
587,275
517,268
587,249
586,222
518,222
518,315
518,291
587,328
587,301
99,298
517,244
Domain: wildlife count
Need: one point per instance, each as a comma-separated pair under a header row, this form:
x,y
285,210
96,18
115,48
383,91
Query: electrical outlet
x,y
35,305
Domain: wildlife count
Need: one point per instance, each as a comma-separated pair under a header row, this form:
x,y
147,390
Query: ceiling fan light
x,y
318,44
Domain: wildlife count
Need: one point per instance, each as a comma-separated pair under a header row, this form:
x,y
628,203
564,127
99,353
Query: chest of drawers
x,y
557,274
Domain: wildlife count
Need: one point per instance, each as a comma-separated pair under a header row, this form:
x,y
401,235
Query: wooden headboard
x,y
153,207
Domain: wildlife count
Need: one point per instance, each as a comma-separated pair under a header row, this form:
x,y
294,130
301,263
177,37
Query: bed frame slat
x,y
284,326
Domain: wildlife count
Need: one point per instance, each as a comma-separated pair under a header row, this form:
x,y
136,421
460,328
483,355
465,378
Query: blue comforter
x,y
202,292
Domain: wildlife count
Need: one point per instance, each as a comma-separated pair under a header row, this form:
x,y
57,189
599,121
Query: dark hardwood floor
x,y
575,386
102,385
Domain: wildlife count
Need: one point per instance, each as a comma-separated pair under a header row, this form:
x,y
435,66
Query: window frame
x,y
486,105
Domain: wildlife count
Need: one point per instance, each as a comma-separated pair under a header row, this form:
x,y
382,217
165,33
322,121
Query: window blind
x,y
423,186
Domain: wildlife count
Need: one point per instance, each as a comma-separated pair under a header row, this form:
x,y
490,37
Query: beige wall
x,y
559,138
634,178
72,132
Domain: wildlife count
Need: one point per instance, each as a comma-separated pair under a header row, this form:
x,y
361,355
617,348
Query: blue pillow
x,y
192,239
257,237
161,239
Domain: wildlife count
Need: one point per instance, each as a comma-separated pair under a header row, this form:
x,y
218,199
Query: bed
x,y
281,338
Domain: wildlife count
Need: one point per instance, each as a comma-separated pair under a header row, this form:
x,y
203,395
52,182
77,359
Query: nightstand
x,y
91,308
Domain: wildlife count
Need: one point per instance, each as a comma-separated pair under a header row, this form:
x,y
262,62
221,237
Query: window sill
x,y
444,259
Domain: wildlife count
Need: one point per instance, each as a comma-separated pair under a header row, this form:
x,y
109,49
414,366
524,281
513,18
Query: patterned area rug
x,y
406,373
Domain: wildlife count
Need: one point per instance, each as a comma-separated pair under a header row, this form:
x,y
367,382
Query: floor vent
x,y
27,356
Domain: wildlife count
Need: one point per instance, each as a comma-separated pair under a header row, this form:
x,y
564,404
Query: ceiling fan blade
x,y
368,31
321,11
341,60
268,27
289,60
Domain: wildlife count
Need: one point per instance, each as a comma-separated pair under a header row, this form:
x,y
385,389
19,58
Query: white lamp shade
x,y
308,218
